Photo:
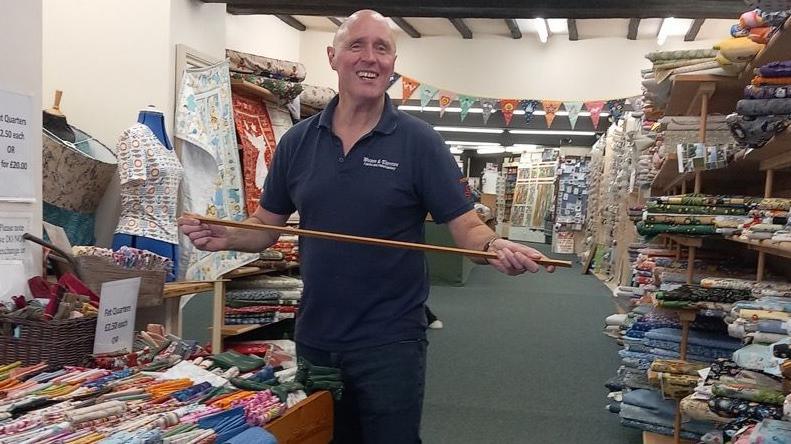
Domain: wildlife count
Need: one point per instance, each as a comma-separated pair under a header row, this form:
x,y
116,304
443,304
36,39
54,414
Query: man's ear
x,y
331,57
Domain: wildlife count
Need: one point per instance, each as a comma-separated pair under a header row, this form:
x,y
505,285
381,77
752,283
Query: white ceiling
x,y
587,28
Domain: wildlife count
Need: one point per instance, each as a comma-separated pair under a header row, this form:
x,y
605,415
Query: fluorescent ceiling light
x,y
541,29
467,142
491,150
520,148
558,26
454,150
462,129
552,133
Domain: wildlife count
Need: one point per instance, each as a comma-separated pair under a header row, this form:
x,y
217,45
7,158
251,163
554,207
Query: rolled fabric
x,y
680,54
679,219
763,107
761,34
776,69
286,91
751,19
764,396
756,131
698,409
316,96
762,80
738,31
738,49
264,66
767,92
774,203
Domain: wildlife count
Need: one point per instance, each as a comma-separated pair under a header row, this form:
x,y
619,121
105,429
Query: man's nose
x,y
367,54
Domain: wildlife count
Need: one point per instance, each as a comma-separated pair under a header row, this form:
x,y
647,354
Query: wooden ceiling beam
x,y
634,25
335,21
503,9
291,21
514,28
462,27
694,29
406,27
571,24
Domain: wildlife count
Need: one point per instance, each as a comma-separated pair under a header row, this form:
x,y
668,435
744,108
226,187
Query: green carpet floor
x,y
521,360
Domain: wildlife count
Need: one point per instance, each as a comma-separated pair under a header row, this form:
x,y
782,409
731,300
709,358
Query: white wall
x,y
501,67
263,35
20,29
113,57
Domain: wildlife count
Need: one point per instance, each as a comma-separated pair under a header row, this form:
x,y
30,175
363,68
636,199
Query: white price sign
x,y
115,326
15,152
12,246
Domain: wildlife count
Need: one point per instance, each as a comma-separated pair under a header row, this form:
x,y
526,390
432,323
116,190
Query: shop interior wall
x,y
20,30
112,58
499,66
263,35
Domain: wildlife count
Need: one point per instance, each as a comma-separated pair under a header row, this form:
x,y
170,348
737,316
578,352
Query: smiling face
x,y
363,55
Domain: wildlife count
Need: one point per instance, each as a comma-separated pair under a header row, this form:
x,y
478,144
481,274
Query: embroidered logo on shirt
x,y
380,163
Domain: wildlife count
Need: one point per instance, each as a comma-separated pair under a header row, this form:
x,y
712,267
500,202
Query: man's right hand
x,y
204,236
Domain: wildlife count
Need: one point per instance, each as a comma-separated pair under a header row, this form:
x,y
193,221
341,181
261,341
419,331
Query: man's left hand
x,y
514,259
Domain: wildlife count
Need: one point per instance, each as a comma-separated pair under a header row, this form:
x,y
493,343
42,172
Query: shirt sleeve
x,y
132,158
275,196
440,181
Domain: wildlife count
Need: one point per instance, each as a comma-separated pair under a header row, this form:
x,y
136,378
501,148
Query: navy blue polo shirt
x,y
358,295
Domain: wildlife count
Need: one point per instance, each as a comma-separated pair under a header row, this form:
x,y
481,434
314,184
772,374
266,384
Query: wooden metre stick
x,y
370,240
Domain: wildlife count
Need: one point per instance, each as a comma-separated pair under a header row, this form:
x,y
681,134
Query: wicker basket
x,y
56,342
94,271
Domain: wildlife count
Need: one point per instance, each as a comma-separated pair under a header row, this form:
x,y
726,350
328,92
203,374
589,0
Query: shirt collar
x,y
387,123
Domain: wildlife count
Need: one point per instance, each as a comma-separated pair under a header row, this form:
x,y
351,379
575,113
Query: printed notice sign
x,y
115,326
12,246
16,171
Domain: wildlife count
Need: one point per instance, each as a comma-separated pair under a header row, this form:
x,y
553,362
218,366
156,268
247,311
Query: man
x,y
361,167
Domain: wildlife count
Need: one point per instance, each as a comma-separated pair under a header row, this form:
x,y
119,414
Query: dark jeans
x,y
383,391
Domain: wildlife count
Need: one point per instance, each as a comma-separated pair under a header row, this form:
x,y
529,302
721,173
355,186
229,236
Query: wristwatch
x,y
489,242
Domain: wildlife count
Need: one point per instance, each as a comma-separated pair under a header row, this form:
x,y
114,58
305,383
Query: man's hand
x,y
204,236
514,259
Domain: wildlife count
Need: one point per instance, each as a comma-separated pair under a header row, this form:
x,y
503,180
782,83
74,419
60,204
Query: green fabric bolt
x,y
648,229
315,378
749,394
244,363
677,219
654,207
695,293
706,200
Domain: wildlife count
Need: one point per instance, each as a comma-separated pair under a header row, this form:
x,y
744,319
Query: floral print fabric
x,y
264,66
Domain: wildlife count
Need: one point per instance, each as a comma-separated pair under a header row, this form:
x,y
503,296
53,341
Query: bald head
x,y
363,16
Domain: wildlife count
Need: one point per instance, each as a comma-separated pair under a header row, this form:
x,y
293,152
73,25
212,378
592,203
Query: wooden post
x,y
770,178
684,187
691,264
698,182
218,316
759,274
678,252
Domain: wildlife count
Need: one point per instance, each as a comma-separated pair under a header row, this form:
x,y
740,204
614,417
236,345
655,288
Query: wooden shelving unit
x,y
688,89
247,88
778,48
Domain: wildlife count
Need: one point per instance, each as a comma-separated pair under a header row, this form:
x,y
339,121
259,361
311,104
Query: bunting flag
x,y
594,107
615,107
394,78
573,109
488,108
507,106
427,92
529,106
550,108
466,103
445,99
408,87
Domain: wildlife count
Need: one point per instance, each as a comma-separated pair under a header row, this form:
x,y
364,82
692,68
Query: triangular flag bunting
x,y
529,106
427,92
488,108
550,108
615,107
445,99
573,108
394,78
594,107
507,106
408,87
466,102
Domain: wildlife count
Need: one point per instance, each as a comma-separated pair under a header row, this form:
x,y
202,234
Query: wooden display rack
x,y
692,95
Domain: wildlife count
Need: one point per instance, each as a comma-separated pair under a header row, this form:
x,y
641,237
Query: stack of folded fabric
x,y
686,130
676,379
644,146
766,107
702,298
690,214
701,346
262,300
656,83
289,246
647,410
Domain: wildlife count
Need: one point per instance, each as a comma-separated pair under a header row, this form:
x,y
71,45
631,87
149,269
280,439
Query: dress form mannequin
x,y
155,119
159,166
